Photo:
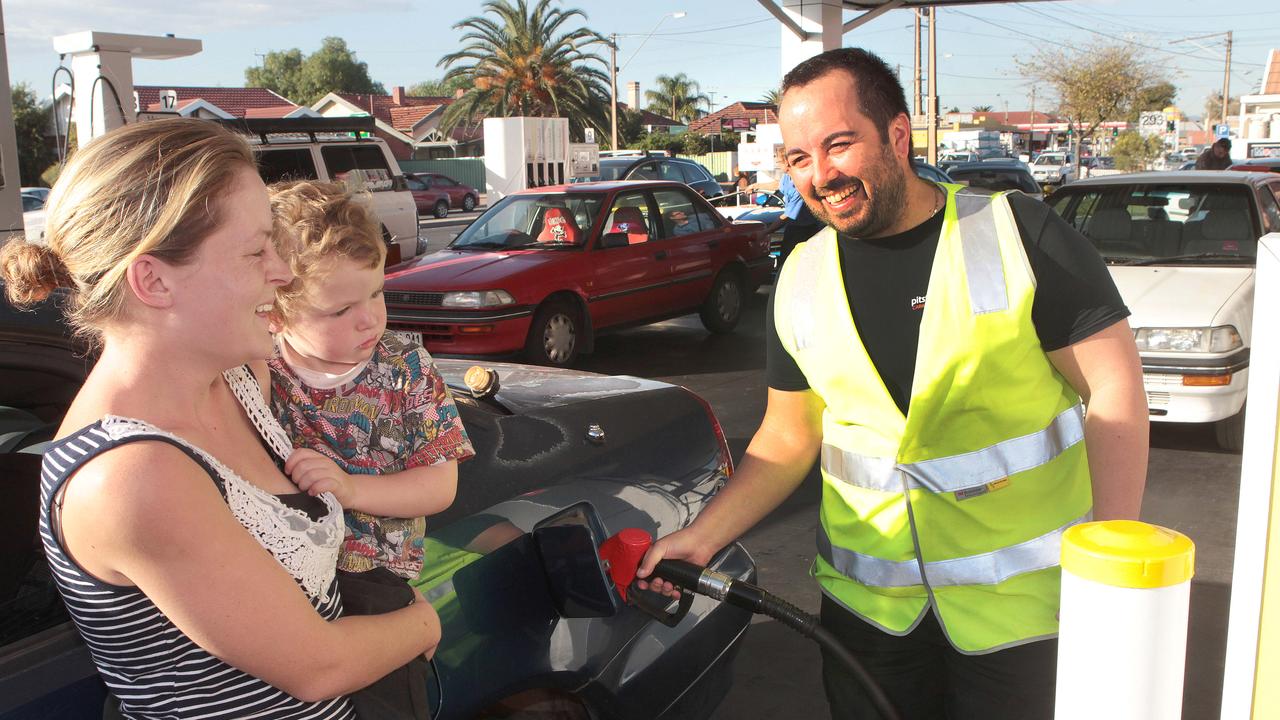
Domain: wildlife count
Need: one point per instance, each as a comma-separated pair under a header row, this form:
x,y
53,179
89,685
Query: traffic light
x,y
1070,131
1115,132
1171,126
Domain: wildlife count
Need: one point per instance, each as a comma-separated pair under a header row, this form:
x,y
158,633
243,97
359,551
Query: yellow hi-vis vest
x,y
961,503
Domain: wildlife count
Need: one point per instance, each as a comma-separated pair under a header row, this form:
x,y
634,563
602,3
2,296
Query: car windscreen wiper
x,y
536,244
1194,256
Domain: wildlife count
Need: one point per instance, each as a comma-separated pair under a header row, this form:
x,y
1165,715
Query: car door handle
x,y
713,244
660,255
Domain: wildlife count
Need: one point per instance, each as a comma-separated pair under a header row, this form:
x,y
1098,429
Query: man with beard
x,y
934,346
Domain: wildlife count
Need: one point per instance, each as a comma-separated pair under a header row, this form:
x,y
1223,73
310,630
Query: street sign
x,y
1221,131
1151,123
589,134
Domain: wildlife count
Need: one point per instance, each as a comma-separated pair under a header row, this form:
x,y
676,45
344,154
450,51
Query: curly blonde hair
x,y
149,188
316,223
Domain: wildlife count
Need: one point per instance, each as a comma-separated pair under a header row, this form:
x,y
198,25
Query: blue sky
x,y
731,47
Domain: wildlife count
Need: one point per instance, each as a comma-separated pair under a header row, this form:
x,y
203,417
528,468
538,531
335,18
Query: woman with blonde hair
x,y
159,494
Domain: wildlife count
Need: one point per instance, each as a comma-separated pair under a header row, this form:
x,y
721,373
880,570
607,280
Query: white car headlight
x,y
1203,340
477,299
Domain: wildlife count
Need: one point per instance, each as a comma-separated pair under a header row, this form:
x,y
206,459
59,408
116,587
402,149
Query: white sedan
x,y
1182,247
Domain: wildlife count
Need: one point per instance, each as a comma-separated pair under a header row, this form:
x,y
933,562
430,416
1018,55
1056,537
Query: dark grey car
x,y
642,453
997,174
658,167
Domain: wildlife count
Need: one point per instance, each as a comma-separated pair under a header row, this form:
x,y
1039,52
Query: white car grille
x,y
1157,399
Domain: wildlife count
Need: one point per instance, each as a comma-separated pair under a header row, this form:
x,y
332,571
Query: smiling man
x,y
934,346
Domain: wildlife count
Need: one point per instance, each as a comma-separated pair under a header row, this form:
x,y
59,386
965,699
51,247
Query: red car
x,y
543,271
460,196
1271,164
426,198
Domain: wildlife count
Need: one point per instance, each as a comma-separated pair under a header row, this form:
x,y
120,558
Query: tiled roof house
x,y
761,112
219,102
409,124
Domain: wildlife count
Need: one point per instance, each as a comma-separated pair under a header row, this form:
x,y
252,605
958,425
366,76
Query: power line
x,y
1117,37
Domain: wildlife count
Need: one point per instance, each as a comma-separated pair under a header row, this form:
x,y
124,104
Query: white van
x,y
340,150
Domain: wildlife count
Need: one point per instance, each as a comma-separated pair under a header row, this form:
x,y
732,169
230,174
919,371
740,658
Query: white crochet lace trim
x,y
307,549
247,390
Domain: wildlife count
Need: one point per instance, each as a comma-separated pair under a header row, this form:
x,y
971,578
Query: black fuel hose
x,y
700,580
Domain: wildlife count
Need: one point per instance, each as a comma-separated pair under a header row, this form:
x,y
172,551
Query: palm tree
x,y
773,97
982,108
523,63
677,97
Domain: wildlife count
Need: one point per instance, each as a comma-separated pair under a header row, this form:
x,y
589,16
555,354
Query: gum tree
x,y
1094,84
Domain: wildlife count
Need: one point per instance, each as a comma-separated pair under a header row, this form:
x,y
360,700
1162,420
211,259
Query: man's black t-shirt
x,y
886,281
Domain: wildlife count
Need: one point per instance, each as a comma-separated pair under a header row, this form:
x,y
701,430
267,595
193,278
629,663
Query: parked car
x,y
40,193
1099,166
340,150
644,454
1271,164
654,167
1189,165
1181,247
543,271
996,175
949,158
429,200
461,197
33,213
1053,168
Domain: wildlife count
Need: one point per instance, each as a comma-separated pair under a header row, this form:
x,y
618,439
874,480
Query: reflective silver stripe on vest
x,y
981,247
1005,458
958,472
990,568
804,292
864,471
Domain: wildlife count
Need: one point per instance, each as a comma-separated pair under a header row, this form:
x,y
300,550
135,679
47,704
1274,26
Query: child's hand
x,y
314,473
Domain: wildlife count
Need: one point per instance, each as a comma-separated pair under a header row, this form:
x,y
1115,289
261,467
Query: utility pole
x,y
1226,82
932,111
915,82
613,90
1032,140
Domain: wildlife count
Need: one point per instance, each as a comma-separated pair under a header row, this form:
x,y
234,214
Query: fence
x,y
468,171
721,164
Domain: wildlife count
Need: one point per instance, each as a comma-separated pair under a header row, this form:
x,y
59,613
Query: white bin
x,y
1123,637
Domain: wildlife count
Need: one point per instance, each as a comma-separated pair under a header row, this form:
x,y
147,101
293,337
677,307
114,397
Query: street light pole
x,y
613,90
932,110
613,67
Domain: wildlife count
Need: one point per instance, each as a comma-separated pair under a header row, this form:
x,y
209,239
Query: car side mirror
x,y
615,239
398,182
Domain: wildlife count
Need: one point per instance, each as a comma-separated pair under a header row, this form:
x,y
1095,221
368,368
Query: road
x,y
1191,487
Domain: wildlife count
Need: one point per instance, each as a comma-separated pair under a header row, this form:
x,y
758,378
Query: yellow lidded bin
x,y
1129,554
1122,640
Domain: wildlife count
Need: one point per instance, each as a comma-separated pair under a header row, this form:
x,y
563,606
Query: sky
x,y
730,47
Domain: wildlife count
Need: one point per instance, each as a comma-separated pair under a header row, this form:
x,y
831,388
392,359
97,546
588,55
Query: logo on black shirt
x,y
917,302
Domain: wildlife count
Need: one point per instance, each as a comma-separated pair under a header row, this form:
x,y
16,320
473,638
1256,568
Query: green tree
x,y
523,61
982,108
630,128
306,79
677,97
31,123
1157,96
1134,152
1104,81
438,87
694,144
773,97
